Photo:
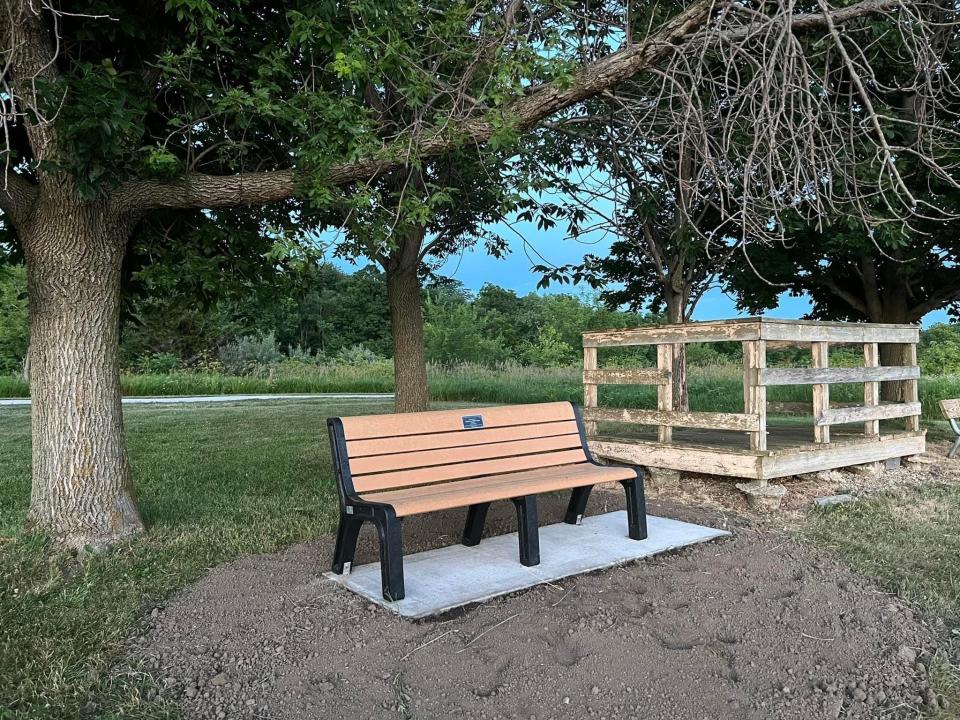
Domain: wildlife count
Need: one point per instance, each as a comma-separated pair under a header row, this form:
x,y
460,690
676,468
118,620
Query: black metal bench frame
x,y
354,511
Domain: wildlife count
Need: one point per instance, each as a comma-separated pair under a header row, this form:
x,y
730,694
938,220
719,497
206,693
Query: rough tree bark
x,y
82,494
676,305
406,324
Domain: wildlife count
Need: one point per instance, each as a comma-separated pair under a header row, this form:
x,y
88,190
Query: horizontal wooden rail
x,y
706,420
631,376
828,375
862,413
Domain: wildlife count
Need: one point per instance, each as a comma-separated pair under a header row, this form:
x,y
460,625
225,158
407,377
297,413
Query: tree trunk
x,y
82,493
892,306
406,324
675,315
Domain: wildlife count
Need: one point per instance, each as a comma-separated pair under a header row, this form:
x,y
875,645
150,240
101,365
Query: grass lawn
x,y
219,481
214,483
908,541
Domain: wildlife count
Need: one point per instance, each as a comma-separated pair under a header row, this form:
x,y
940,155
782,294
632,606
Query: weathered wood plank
x,y
626,376
845,455
820,356
839,332
686,458
864,412
686,333
911,390
754,393
828,375
589,388
665,391
871,390
709,421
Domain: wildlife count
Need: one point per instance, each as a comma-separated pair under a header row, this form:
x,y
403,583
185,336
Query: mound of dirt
x,y
758,626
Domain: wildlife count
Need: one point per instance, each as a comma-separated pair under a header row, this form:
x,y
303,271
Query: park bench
x,y
951,411
392,466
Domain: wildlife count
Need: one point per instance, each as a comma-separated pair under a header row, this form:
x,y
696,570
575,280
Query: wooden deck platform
x,y
748,444
790,451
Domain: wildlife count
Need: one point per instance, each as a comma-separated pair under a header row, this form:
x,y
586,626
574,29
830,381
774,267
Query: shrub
x,y
157,363
357,355
250,355
550,350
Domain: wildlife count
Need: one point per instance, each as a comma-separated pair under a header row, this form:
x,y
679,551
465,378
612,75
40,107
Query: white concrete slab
x,y
440,580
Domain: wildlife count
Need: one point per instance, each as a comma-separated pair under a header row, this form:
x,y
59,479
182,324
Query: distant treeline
x,y
321,314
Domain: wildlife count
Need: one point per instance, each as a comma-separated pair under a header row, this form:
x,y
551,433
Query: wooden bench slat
x,y
461,493
457,471
950,408
450,456
436,441
364,427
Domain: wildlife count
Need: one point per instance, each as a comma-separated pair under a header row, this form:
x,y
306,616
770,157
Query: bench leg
x,y
346,547
391,554
956,446
529,530
476,519
577,505
636,507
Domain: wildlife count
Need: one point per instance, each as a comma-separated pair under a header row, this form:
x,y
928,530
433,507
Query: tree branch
x,y
935,302
524,113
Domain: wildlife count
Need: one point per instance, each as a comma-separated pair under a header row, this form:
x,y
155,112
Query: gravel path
x,y
755,627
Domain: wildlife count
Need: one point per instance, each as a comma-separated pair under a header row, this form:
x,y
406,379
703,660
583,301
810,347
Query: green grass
x,y
908,541
711,389
214,482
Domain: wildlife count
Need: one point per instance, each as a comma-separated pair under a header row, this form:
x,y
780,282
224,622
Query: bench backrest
x,y
950,408
392,451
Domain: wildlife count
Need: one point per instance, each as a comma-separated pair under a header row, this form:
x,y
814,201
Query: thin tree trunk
x,y
82,492
893,307
406,323
675,315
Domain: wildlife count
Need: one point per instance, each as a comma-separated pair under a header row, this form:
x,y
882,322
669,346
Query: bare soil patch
x,y
758,626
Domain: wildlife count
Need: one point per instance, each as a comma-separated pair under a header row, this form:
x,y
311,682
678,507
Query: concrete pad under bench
x,y
451,577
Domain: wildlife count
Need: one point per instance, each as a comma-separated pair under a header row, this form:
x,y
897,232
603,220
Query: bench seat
x,y
389,467
490,488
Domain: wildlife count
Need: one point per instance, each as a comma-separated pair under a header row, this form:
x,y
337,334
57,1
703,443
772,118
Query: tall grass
x,y
715,388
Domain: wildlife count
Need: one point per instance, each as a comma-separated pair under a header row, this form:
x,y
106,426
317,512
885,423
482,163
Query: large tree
x,y
113,111
412,218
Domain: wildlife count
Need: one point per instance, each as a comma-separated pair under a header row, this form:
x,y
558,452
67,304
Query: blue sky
x,y
530,246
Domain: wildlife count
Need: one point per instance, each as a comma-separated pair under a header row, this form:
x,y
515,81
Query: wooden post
x,y
871,390
911,388
665,390
754,393
590,389
820,352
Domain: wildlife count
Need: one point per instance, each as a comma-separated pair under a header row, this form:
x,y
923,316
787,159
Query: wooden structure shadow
x,y
741,444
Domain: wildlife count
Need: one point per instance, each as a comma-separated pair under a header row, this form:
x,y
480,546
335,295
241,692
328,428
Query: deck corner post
x,y
911,388
820,357
665,389
871,390
589,389
754,391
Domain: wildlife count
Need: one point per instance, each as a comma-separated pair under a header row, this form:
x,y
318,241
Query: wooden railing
x,y
757,377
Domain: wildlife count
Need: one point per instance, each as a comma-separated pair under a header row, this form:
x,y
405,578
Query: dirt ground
x,y
756,626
